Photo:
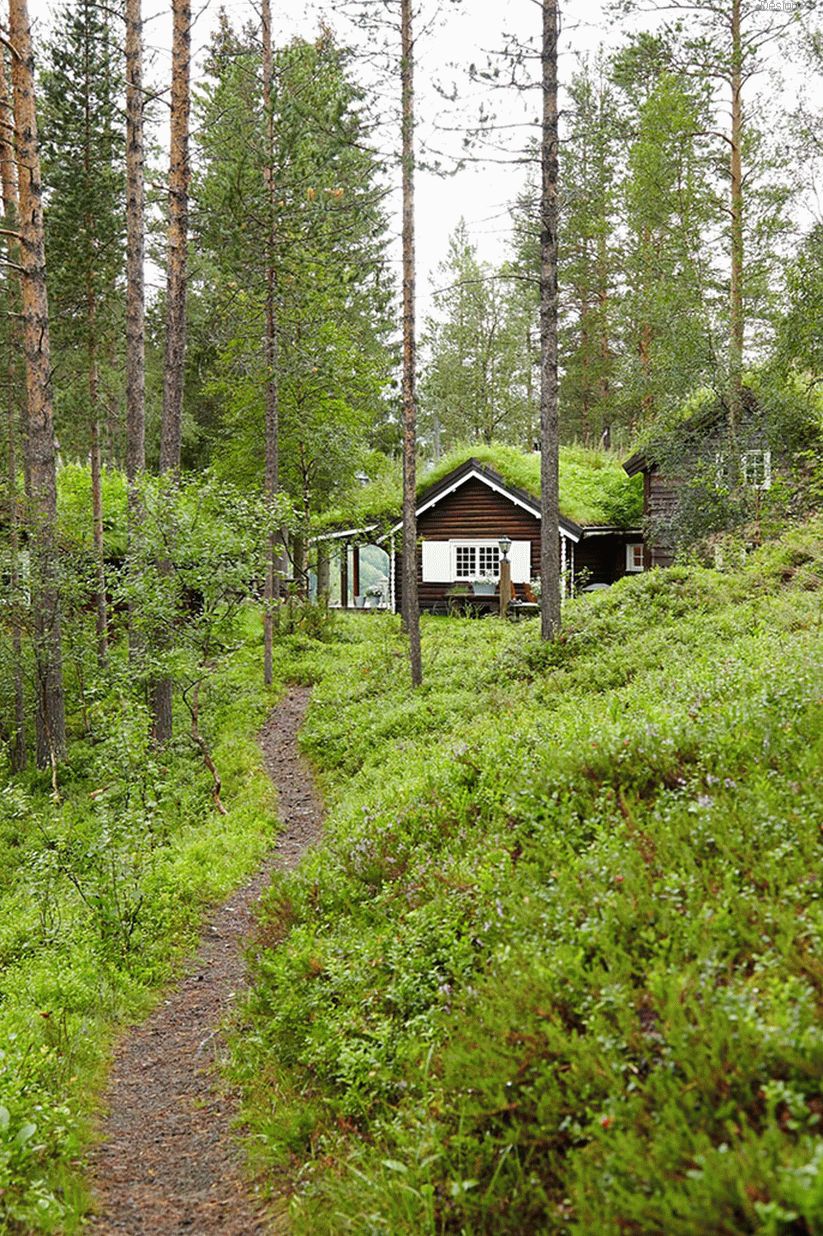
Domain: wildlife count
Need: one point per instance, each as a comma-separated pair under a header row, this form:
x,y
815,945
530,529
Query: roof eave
x,y
638,462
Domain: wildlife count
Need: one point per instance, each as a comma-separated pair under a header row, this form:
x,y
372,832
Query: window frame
x,y
475,547
632,567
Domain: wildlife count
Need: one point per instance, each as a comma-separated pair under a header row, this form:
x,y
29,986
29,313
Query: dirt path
x,y
168,1161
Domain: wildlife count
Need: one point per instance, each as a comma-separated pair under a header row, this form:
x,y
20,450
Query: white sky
x,y
481,192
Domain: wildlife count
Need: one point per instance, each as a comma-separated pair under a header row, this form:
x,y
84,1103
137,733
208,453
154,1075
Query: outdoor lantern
x,y
505,543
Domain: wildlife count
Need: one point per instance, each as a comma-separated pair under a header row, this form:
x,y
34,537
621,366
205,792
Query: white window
x,y
756,469
465,561
488,560
476,560
634,557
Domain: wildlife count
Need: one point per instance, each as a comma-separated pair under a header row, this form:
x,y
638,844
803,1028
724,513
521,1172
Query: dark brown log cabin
x,y
461,519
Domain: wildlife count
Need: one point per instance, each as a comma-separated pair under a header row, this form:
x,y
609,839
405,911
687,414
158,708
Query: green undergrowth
x,y
100,895
556,967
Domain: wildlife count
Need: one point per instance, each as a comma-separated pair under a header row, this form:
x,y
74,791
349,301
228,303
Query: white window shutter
x,y
521,560
437,562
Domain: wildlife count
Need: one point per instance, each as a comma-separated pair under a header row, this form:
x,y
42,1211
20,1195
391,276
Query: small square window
x,y
465,561
488,560
756,468
634,557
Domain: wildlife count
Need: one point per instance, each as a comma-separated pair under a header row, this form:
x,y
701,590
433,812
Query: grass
x,y
100,895
556,967
594,489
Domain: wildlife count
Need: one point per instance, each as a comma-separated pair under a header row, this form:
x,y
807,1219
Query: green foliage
x,y
100,895
553,968
476,384
332,295
783,417
74,509
83,150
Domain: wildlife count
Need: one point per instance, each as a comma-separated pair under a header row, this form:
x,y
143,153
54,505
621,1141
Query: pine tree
x,y
83,165
171,429
51,718
669,213
549,423
135,285
10,305
332,293
475,382
587,260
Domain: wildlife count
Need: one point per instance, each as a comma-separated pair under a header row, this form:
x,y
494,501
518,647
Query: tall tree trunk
x,y
51,719
411,605
101,614
549,426
171,435
736,319
8,179
176,274
271,596
93,379
135,287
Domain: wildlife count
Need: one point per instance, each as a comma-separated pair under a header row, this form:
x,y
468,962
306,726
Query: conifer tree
x,y
10,305
411,605
83,164
135,283
171,428
549,421
51,718
475,382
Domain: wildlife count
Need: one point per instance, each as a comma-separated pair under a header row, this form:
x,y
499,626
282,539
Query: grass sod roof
x,y
594,489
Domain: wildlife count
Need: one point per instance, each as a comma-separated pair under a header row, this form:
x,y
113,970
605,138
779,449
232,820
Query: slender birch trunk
x,y
271,595
51,719
8,178
736,316
549,427
411,605
176,277
135,287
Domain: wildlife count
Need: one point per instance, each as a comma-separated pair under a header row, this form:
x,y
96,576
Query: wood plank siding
x,y
661,499
474,511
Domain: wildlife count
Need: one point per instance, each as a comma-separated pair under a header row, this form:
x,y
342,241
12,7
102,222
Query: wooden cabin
x,y
705,451
460,521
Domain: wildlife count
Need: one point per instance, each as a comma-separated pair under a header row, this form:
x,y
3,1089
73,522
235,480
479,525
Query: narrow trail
x,y
168,1161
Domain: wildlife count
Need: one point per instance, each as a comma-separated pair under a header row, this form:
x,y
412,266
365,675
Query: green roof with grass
x,y
594,489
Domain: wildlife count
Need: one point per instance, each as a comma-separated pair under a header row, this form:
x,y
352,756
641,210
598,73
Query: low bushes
x,y
554,967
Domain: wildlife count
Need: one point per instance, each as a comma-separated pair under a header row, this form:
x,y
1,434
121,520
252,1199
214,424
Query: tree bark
x,y
271,595
411,605
51,719
135,288
323,573
171,435
101,610
736,317
18,753
177,250
549,426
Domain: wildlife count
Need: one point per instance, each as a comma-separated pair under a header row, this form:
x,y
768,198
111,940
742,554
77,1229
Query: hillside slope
x,y
555,968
